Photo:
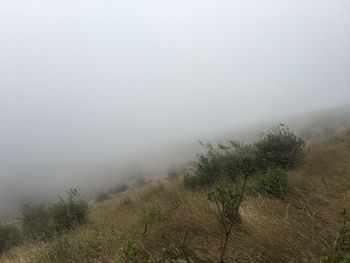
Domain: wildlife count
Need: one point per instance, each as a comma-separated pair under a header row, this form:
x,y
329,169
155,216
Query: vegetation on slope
x,y
285,217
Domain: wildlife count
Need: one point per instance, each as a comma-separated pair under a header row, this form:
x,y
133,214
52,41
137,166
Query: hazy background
x,y
87,84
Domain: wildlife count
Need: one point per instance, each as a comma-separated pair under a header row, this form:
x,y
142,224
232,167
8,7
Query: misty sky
x,y
92,80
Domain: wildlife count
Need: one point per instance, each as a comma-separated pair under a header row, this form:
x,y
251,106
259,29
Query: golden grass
x,y
298,228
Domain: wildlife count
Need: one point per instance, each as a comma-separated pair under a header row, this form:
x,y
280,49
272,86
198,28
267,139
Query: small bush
x,y
279,147
70,212
272,182
208,167
228,197
191,181
44,221
340,252
9,236
233,160
130,252
119,189
150,217
37,221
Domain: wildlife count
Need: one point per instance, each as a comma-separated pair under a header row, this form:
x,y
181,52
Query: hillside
x,y
300,227
35,183
174,131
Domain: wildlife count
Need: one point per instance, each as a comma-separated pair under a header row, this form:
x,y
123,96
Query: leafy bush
x,y
130,252
279,147
233,161
272,182
70,212
207,167
37,221
191,181
119,189
227,197
44,221
151,216
340,252
9,236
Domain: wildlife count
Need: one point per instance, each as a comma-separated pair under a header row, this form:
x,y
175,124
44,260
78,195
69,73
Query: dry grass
x,y
298,228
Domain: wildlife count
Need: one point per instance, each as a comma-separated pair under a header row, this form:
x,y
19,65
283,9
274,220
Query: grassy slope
x,y
298,228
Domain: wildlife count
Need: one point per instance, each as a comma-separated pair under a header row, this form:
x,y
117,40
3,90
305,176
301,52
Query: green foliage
x,y
232,160
273,182
191,181
279,147
70,212
227,168
88,247
44,221
150,217
153,215
130,252
208,167
228,197
37,222
225,194
9,236
340,252
119,189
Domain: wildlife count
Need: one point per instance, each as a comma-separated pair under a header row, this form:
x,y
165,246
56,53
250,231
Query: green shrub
x,y
272,182
228,197
119,189
130,252
279,147
191,181
44,221
37,221
150,217
232,160
340,251
208,166
70,211
9,236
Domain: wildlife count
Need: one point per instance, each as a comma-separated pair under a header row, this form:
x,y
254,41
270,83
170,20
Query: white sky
x,y
90,80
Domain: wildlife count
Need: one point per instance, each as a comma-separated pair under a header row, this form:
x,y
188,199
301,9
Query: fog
x,y
87,85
